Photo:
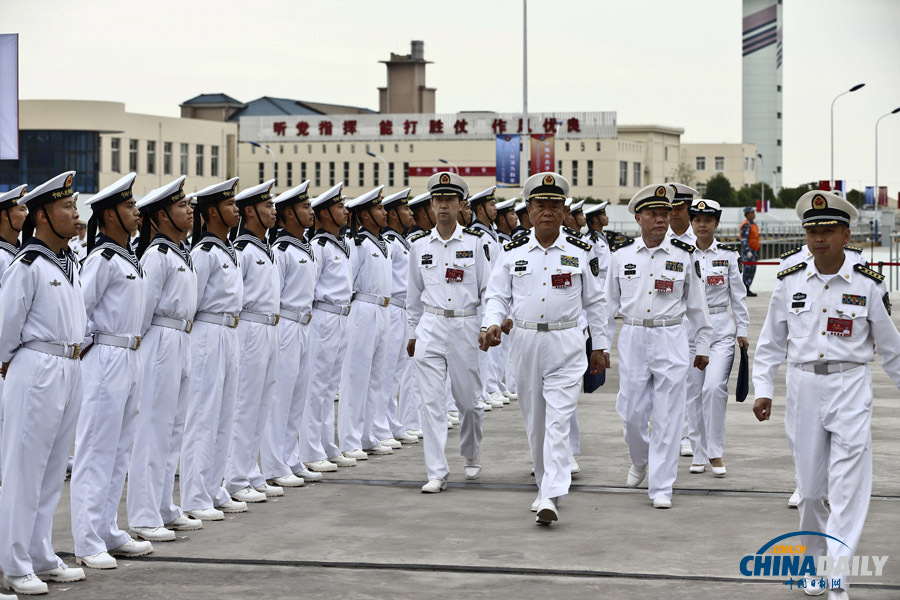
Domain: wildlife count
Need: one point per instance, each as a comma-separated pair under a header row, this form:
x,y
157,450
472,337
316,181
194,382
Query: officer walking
x,y
750,246
596,220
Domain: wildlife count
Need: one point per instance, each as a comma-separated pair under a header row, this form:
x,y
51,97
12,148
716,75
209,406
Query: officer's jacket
x,y
721,272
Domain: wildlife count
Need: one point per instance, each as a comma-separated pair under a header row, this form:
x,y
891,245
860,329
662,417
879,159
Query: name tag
x,y
715,280
455,275
840,327
562,280
664,285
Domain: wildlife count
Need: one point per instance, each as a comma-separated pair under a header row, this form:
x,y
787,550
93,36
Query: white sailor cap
x,y
50,191
295,195
683,194
394,200
216,192
506,205
568,202
545,186
420,199
482,196
11,198
446,183
818,208
328,198
704,206
255,195
120,191
593,208
163,196
370,198
652,196
576,207
520,206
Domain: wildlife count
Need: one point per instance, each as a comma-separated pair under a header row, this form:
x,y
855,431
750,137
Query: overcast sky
x,y
652,61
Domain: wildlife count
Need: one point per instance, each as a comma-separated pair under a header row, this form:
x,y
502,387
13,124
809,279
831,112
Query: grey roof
x,y
267,106
213,99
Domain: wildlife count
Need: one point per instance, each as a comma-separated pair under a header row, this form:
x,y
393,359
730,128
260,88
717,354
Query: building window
x,y
362,174
151,157
752,163
45,153
396,148
779,142
390,174
779,115
701,187
331,173
667,158
410,148
352,148
309,148
199,160
346,173
700,163
290,175
115,164
324,149
567,146
720,163
295,148
214,161
405,174
590,173
183,163
779,168
779,88
381,148
318,173
252,149
558,166
746,163
582,146
132,155
598,146
281,149
574,172
167,158
375,171
262,172
303,171
275,173
636,182
623,173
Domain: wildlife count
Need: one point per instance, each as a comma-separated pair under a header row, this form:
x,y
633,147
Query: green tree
x,y
788,196
748,195
683,174
718,188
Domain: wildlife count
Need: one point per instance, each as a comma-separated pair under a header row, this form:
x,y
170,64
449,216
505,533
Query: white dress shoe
x,y
308,475
342,461
838,594
662,502
321,466
154,534
449,424
686,449
287,481
486,407
132,549
546,512
496,399
697,468
101,560
356,455
379,450
416,432
392,443
434,486
536,504
206,514
794,500
28,585
232,506
271,491
472,471
61,574
188,523
407,438
511,395
8,597
636,476
574,466
249,495
718,471
812,588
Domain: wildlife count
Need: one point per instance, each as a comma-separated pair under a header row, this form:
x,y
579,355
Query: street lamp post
x,y
762,185
381,158
893,112
272,154
447,162
853,89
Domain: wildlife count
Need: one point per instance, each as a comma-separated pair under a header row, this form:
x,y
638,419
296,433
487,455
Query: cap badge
x,y
661,191
68,181
701,205
819,202
445,179
549,180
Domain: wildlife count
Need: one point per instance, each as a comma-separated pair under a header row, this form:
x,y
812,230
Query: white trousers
x,y
409,404
707,393
449,402
328,345
257,368
1,428
653,365
103,441
690,428
449,346
41,400
491,365
387,418
829,418
210,416
550,366
162,406
279,440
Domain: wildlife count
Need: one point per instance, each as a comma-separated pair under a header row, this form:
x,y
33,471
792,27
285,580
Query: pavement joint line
x,y
469,569
576,487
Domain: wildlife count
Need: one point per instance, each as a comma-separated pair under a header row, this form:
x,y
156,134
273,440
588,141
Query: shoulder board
x,y
519,241
322,241
108,254
731,247
578,242
853,248
207,246
572,232
683,245
473,231
28,257
621,245
798,267
417,236
869,272
358,240
240,245
282,246
784,255
162,248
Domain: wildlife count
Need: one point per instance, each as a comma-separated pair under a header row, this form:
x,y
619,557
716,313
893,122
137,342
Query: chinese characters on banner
x,y
542,153
508,159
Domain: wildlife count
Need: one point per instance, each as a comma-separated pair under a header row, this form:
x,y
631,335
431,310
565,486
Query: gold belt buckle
x,y
236,321
77,351
306,319
137,345
277,318
190,325
386,301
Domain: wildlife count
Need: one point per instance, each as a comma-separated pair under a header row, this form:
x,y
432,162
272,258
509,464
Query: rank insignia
x,y
260,262
181,269
426,259
595,266
302,261
720,263
630,266
854,300
224,265
521,263
55,283
671,265
799,296
129,277
464,254
568,261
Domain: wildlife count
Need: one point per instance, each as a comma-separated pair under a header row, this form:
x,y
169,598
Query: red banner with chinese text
x,y
542,153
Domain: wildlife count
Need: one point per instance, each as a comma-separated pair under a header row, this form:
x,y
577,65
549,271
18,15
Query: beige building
x,y
737,162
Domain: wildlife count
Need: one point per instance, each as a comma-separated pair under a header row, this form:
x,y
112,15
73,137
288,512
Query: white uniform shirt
x,y
371,265
658,283
334,277
687,237
41,297
296,271
220,286
805,309
112,283
490,238
7,255
262,286
170,280
432,259
720,270
399,263
545,285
